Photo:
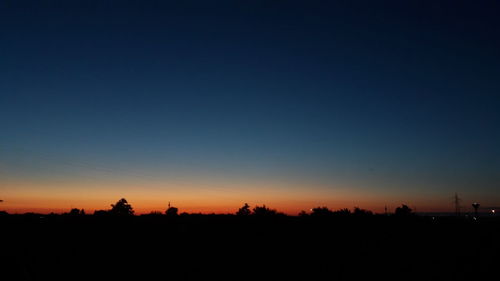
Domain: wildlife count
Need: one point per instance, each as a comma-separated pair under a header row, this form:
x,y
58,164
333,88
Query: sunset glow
x,y
212,110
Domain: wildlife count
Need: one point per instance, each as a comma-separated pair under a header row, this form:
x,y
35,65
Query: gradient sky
x,y
210,104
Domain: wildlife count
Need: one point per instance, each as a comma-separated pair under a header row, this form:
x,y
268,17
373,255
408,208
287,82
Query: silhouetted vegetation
x,y
122,208
321,212
361,212
263,211
403,211
76,212
185,246
244,211
325,212
342,212
172,211
101,212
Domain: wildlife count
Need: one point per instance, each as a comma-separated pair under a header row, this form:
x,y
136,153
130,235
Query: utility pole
x,y
457,204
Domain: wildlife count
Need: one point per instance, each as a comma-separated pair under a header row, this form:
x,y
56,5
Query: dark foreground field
x,y
207,247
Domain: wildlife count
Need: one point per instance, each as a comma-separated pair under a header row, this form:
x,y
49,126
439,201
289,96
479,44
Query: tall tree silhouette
x,y
244,211
122,207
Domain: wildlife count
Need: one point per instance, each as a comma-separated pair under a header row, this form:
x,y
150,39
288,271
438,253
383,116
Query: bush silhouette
x,y
122,208
361,212
263,211
403,211
172,211
76,212
244,211
321,212
101,212
342,212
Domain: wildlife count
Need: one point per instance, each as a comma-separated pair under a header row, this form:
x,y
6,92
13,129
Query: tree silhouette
x,y
172,211
403,211
303,214
263,211
321,212
122,207
342,212
76,212
244,211
362,212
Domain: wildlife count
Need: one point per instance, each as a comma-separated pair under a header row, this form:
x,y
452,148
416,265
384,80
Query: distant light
x,y
492,211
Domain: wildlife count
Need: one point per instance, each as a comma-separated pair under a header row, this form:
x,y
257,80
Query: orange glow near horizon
x,y
219,198
204,194
45,206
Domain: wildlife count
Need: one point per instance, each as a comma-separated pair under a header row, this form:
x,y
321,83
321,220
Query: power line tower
x,y
456,201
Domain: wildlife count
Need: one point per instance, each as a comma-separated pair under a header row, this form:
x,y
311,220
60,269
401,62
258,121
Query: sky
x,y
211,104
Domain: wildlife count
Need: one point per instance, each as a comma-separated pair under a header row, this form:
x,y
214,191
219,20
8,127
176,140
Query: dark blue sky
x,y
382,98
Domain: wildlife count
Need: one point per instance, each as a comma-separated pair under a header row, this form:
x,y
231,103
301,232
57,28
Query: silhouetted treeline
x,y
254,243
123,208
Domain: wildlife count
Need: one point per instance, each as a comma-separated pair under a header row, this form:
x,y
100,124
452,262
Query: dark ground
x,y
194,247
